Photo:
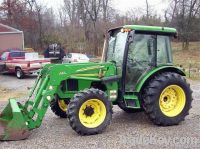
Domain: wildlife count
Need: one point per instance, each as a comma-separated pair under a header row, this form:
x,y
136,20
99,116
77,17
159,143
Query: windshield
x,y
116,46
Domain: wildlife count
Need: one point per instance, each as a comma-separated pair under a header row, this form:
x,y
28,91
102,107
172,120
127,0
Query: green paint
x,y
151,28
133,98
144,78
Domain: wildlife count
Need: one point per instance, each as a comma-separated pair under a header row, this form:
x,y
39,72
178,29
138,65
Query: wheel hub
x,y
169,99
92,113
62,105
18,74
172,100
89,111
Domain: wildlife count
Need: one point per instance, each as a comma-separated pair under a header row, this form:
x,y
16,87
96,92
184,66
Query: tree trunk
x,y
95,39
185,45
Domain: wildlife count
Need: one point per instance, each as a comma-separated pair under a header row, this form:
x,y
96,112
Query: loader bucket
x,y
12,123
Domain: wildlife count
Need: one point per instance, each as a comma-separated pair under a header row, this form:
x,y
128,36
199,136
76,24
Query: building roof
x,y
151,28
8,29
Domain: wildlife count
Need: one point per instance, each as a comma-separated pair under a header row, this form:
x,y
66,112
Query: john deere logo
x,y
62,73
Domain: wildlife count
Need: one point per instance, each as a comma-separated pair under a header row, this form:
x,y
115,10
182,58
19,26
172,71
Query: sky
x,y
121,5
125,5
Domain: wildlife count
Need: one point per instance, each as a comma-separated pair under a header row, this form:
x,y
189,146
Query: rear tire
x,y
167,99
19,73
90,112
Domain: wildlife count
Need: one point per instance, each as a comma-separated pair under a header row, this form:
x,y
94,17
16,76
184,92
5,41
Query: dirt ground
x,y
11,87
125,131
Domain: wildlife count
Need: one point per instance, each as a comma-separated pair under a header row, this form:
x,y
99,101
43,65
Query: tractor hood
x,y
89,71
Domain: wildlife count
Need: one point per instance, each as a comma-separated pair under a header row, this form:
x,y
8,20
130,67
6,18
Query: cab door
x,y
140,58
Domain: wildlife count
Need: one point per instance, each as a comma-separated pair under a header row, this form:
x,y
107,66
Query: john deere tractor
x,y
136,73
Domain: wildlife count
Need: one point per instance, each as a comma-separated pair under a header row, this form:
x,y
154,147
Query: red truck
x,y
15,62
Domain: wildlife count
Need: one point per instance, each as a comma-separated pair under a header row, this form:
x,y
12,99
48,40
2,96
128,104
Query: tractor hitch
x,y
12,123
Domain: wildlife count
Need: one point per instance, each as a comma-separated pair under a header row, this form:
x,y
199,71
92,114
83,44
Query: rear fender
x,y
150,74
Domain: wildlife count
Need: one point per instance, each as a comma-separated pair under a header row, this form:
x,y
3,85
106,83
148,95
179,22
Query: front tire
x,y
90,112
167,99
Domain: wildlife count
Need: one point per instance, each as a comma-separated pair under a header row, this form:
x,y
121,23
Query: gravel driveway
x,y
125,131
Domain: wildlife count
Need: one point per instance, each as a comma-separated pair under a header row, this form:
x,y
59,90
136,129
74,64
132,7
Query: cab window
x,y
141,57
163,50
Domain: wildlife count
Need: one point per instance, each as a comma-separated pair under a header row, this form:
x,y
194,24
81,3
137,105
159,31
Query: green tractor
x,y
136,73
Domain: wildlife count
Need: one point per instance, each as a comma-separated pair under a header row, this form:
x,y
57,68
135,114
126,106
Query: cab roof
x,y
151,28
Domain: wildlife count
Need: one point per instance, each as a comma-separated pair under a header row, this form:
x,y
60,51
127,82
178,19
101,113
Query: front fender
x,y
144,79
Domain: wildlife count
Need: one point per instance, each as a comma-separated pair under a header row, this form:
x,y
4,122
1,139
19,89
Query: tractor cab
x,y
138,49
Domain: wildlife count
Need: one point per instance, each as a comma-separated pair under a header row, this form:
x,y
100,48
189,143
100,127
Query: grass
x,y
188,58
184,57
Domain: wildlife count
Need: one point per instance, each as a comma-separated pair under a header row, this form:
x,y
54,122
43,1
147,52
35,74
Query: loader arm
x,y
16,120
42,93
29,116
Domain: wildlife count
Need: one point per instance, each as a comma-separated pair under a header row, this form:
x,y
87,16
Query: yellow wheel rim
x,y
92,113
62,105
172,100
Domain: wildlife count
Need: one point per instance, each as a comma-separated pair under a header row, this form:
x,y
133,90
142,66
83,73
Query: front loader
x,y
136,73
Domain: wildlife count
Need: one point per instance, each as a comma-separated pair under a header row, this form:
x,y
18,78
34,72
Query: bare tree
x,y
71,8
105,9
82,23
93,8
84,17
38,9
183,14
147,9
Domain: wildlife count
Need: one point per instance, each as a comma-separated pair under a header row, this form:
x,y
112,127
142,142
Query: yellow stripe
x,y
86,75
90,68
